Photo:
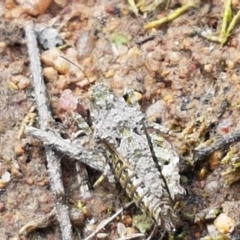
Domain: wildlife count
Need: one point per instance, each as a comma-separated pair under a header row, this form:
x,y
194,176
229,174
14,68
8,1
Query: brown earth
x,y
187,82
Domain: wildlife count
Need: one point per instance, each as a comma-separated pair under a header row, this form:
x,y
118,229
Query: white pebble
x,y
6,177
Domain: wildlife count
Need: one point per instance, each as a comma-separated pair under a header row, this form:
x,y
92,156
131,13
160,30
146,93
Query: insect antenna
x,y
85,75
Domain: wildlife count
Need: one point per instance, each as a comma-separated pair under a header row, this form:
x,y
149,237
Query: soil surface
x,y
186,82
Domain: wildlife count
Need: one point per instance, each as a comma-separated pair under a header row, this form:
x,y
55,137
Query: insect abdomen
x,y
150,204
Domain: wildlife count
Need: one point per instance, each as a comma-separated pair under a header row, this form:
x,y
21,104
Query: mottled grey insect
x,y
145,164
122,128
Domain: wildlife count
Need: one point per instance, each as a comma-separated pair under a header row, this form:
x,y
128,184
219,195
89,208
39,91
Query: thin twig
x,y
53,163
85,75
107,221
226,141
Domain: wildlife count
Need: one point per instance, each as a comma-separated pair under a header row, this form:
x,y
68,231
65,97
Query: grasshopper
x,y
122,128
145,165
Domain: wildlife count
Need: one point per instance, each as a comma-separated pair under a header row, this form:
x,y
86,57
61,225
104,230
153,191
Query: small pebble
x,y
23,83
2,184
212,230
48,57
208,68
3,46
110,8
34,7
230,64
29,181
18,149
175,57
224,224
234,77
6,177
15,172
20,81
42,183
52,57
49,38
62,66
50,74
67,101
61,3
102,236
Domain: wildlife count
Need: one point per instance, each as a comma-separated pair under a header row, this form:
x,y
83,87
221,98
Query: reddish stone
x,y
110,8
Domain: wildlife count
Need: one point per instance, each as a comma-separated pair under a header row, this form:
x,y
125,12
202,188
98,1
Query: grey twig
x,y
53,163
226,141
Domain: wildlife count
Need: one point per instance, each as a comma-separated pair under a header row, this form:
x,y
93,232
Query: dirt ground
x,y
187,83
